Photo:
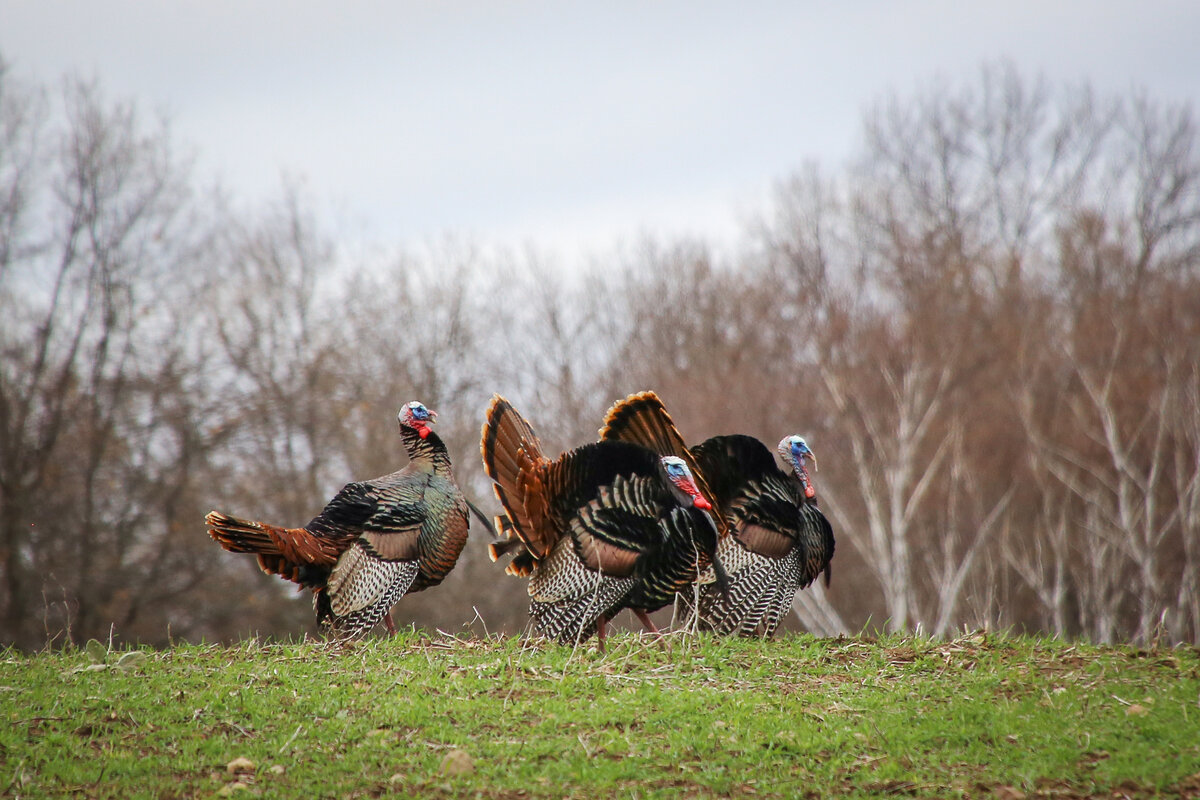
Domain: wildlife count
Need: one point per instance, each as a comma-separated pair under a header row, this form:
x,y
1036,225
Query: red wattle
x,y
810,492
423,431
700,502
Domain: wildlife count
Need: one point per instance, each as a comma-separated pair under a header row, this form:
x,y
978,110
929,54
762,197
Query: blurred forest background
x,y
987,325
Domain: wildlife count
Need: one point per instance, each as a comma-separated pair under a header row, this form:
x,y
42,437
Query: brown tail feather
x,y
522,565
244,536
507,441
281,551
509,540
506,544
512,458
642,418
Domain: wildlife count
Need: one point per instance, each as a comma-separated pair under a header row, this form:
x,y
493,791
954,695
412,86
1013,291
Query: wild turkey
x,y
374,542
780,540
606,526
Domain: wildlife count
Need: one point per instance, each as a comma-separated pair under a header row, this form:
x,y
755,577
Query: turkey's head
x,y
683,485
794,450
416,416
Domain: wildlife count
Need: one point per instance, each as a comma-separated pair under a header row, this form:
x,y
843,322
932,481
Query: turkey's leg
x,y
389,624
601,624
649,623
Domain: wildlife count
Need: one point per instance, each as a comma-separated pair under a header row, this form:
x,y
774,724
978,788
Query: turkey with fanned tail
x,y
374,542
603,527
780,541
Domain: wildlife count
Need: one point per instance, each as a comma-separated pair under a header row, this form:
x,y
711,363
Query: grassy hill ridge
x,y
976,716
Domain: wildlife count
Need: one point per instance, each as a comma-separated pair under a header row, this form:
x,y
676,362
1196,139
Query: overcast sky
x,y
568,126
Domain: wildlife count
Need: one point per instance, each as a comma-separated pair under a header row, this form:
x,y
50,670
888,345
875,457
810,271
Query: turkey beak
x,y
424,430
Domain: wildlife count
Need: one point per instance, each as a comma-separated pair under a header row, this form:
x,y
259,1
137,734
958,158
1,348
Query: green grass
x,y
799,716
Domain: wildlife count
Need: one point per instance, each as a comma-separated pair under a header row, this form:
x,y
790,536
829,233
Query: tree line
x,y
987,326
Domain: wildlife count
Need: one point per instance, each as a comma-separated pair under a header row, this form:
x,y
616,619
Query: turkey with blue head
x,y
374,542
779,540
601,528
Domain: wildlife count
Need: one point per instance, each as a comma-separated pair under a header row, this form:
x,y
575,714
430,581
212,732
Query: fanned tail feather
x,y
642,418
512,457
508,446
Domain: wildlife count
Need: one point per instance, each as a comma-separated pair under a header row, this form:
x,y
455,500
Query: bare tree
x,y
1185,616
265,312
983,222
895,462
1039,552
988,327
99,239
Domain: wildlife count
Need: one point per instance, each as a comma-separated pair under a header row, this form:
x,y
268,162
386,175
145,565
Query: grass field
x,y
979,716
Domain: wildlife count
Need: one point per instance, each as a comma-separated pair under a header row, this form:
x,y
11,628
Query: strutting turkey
x,y
780,540
374,542
603,527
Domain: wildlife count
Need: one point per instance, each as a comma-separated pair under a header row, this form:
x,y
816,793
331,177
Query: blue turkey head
x,y
684,484
794,450
416,416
